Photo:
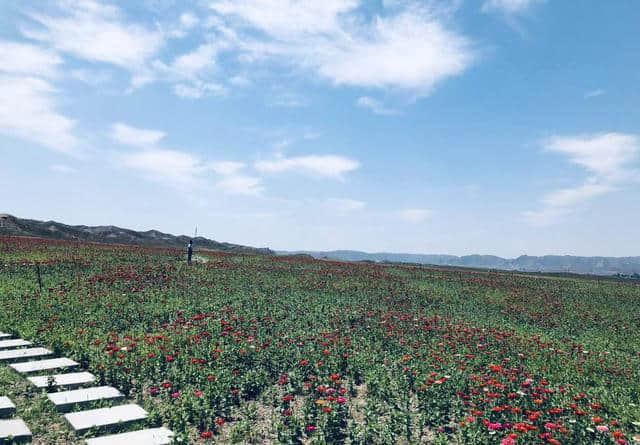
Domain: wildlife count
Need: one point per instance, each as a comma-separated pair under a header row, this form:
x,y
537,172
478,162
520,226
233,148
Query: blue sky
x,y
501,127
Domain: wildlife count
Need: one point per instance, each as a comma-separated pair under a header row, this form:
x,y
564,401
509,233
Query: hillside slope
x,y
547,263
11,225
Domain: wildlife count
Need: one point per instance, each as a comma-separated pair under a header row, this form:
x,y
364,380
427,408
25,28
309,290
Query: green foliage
x,y
251,349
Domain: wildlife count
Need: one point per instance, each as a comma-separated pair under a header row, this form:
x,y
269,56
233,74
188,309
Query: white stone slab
x,y
16,343
16,355
69,380
103,417
5,335
7,408
152,436
65,400
42,365
14,428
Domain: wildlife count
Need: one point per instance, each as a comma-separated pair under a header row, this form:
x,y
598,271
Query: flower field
x,y
258,349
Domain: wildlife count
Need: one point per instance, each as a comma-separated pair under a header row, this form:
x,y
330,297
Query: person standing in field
x,y
189,251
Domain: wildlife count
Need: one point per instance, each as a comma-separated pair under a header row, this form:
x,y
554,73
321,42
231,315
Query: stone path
x,y
7,408
44,365
15,355
9,344
12,430
82,421
65,400
26,360
68,381
152,436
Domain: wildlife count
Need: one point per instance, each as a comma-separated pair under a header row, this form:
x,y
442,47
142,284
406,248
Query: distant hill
x,y
11,225
548,263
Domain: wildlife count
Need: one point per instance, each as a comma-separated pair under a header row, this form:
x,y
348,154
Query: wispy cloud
x,y
139,137
334,166
410,48
508,6
345,205
29,107
30,60
188,172
96,32
415,215
63,169
609,158
375,106
594,93
241,185
180,169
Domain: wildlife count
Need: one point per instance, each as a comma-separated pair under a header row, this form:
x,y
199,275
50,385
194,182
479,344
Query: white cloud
x,y
603,154
139,137
188,20
96,32
227,167
609,158
26,59
415,216
324,165
192,64
198,89
239,81
571,196
93,78
170,167
241,185
375,106
28,109
287,18
508,6
345,204
408,49
187,172
594,93
289,100
64,169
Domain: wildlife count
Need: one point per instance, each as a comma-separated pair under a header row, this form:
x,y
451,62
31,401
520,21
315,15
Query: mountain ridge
x,y
597,265
109,234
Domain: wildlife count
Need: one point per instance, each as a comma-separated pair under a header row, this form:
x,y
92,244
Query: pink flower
x,y
311,428
176,395
602,428
341,400
508,441
495,426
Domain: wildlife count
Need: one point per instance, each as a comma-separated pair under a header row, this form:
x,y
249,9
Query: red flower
x,y
169,358
219,421
311,428
206,434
